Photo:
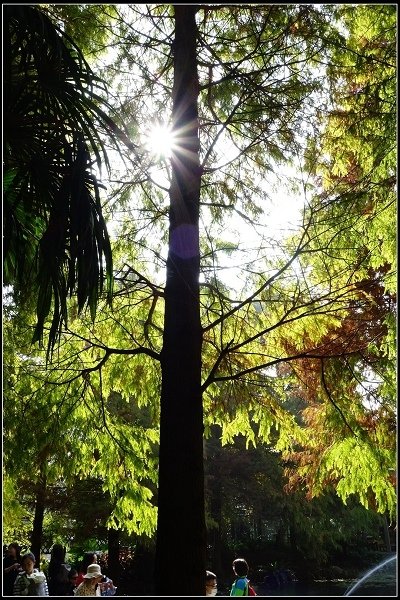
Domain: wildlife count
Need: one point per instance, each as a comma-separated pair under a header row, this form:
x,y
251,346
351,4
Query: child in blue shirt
x,y
240,586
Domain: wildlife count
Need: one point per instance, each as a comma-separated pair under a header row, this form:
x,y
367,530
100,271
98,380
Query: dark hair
x,y
87,560
210,575
240,567
17,549
29,555
72,573
57,571
57,553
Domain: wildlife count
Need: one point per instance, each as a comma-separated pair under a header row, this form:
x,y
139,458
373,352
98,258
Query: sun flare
x,y
160,140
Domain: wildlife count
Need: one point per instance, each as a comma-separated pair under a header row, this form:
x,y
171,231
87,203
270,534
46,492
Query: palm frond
x,y
55,237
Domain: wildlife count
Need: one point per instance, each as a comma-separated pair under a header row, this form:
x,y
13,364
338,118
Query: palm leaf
x,y
53,115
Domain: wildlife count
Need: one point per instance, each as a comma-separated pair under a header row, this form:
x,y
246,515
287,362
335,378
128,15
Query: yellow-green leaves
x,y
364,471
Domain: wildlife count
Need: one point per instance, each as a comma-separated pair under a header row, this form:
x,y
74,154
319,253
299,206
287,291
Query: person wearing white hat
x,y
90,584
211,583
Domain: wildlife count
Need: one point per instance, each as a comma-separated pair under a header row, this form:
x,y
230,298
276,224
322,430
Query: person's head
x,y
28,562
72,576
13,550
240,567
211,583
90,558
93,575
58,553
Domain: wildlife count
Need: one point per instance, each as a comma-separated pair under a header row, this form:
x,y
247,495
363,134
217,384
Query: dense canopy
x,y
172,303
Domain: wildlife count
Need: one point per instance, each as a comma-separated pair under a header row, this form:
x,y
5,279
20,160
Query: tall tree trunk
x,y
181,538
213,495
386,536
114,566
37,530
214,536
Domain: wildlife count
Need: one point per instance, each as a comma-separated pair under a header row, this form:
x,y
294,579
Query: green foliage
x,y
352,241
285,352
55,234
88,428
89,25
16,517
250,513
356,153
356,465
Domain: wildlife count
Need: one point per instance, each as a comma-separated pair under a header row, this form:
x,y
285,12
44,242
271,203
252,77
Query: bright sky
x,y
282,206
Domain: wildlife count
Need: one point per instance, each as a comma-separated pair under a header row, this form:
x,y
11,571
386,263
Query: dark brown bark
x,y
37,530
214,535
386,536
180,551
114,567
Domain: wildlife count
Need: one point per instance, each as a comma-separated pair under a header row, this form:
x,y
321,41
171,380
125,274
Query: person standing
x,y
58,573
211,583
90,585
72,579
11,568
107,586
241,586
31,582
90,558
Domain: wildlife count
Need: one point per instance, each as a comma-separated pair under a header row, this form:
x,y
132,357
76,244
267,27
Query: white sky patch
x,y
159,140
282,204
368,389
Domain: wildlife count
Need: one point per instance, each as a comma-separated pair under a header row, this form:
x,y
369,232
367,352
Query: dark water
x,y
379,581
333,589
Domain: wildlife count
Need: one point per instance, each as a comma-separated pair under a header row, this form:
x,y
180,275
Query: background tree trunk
x,y
214,502
214,536
386,536
181,539
114,567
37,530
